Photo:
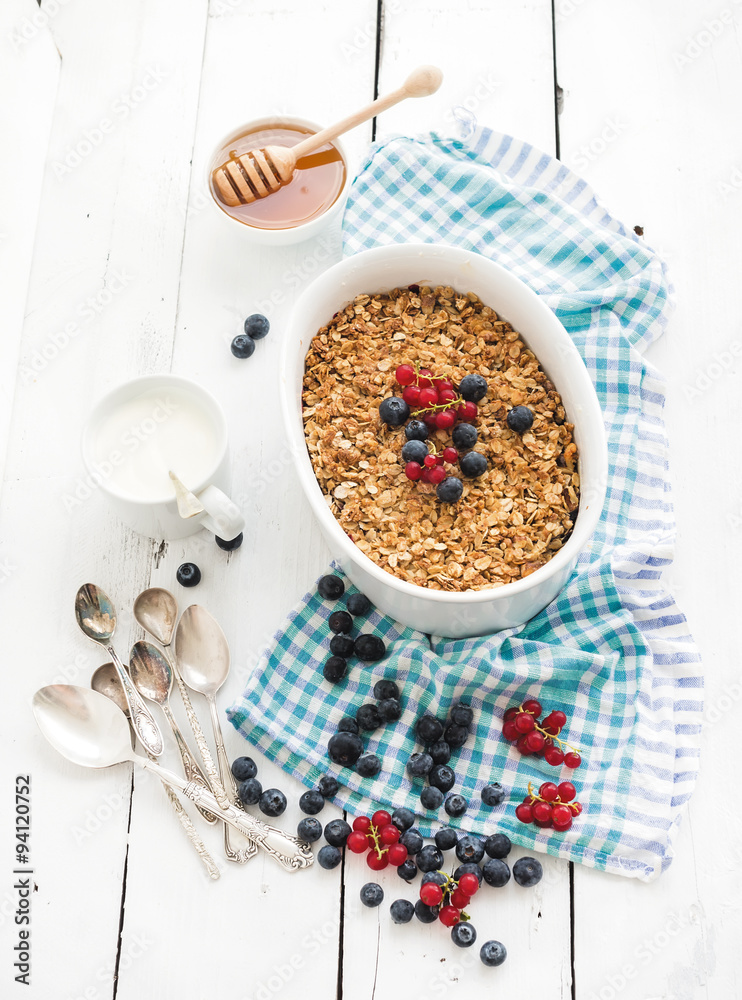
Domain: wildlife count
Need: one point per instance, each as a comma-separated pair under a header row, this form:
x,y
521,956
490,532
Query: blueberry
x,y
272,802
328,786
416,430
407,870
441,776
389,710
372,894
469,868
257,326
431,798
415,451
329,857
229,544
368,717
429,859
369,648
498,845
244,768
368,766
527,872
419,764
312,802
450,490
462,714
243,346
470,849
520,419
309,829
436,877
456,736
456,805
428,729
403,818
344,749
385,689
496,872
412,840
340,622
331,587
358,604
440,751
341,645
446,838
394,411
473,464
464,436
492,953
188,575
334,670
424,913
402,911
249,791
463,934
473,388
348,725
337,832
493,795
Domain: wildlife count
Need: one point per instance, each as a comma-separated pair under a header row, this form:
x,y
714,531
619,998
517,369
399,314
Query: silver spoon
x,y
202,654
96,617
106,681
88,729
156,610
153,679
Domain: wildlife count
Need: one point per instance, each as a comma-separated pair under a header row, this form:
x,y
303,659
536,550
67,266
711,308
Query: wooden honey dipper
x,y
260,172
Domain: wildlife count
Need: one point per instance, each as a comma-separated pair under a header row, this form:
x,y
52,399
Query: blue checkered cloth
x,y
613,650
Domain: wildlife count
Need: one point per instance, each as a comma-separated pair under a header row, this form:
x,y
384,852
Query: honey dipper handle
x,y
422,82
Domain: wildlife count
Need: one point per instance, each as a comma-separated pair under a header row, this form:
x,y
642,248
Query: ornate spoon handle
x,y
290,852
140,716
238,854
190,767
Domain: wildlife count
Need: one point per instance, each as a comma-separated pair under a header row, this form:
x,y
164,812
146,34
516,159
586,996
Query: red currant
x,y
459,899
429,420
437,475
430,461
543,823
522,744
542,812
425,378
440,460
450,455
397,855
448,915
381,818
446,395
532,706
567,791
411,395
561,814
413,471
510,732
524,812
549,791
443,383
469,884
572,759
362,823
535,741
554,756
445,420
428,397
555,722
405,375
431,894
467,412
510,713
357,842
576,808
525,722
389,834
377,862
561,827
425,477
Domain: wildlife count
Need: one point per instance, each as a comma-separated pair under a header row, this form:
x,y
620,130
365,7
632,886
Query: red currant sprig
x,y
523,727
552,806
378,838
452,896
433,397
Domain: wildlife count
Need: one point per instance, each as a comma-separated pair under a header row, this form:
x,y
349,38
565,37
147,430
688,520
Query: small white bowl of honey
x,y
312,199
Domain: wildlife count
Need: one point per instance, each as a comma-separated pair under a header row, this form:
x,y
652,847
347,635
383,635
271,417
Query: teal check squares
x,y
613,650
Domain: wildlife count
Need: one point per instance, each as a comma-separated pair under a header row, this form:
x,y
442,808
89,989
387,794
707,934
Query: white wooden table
x,y
109,114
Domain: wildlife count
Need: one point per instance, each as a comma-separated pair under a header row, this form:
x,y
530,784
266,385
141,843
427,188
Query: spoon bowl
x,y
156,610
106,681
95,613
201,651
83,725
150,672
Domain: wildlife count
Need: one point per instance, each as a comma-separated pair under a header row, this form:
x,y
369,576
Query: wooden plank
x,y
101,308
497,61
647,120
272,928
